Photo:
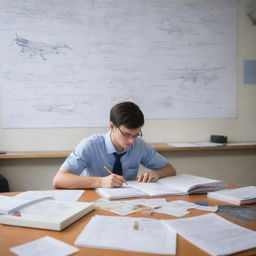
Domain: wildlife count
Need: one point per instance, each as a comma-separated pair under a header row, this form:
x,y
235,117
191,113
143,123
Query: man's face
x,y
123,137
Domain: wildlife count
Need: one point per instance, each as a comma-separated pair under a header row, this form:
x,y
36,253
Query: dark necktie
x,y
117,168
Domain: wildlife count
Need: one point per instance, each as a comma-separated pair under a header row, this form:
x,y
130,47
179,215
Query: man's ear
x,y
111,125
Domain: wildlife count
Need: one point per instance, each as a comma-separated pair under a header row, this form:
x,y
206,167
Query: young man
x,y
121,150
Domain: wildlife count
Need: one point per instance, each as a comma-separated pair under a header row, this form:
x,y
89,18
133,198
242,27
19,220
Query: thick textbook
x,y
182,184
238,196
46,214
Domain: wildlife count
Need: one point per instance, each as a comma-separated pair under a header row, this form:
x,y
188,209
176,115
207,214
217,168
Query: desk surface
x,y
160,147
12,236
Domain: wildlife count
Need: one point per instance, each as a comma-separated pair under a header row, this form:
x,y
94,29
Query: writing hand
x,y
112,181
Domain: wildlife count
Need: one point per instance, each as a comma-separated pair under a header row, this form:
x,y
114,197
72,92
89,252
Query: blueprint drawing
x,y
65,63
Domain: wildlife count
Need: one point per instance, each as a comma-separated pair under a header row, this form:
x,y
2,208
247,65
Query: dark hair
x,y
128,114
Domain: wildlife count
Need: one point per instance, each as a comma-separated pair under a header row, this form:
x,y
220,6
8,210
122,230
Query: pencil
x,y
106,168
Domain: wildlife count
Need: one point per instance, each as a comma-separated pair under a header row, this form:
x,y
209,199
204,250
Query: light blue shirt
x,y
94,152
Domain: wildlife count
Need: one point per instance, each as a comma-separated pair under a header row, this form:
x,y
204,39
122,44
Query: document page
x,y
185,182
154,189
214,234
44,246
122,192
129,234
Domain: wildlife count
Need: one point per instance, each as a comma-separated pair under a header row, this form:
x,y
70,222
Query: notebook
x,y
182,184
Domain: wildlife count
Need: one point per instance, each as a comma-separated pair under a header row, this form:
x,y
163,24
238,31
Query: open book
x,y
238,196
182,184
45,213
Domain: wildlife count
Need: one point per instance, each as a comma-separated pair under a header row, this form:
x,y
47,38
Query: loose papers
x,y
129,234
214,234
44,246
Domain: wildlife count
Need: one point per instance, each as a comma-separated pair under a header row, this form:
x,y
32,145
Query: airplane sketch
x,y
41,49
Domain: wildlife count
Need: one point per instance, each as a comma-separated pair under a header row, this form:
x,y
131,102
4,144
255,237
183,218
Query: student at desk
x,y
121,150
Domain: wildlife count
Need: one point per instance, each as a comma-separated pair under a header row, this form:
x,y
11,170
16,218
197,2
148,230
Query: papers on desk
x,y
176,208
214,234
128,207
196,144
44,246
129,234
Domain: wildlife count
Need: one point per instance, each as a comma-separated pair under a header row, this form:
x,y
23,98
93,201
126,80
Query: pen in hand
x,y
112,173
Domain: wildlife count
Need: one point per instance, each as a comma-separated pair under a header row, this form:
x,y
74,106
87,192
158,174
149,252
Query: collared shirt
x,y
94,152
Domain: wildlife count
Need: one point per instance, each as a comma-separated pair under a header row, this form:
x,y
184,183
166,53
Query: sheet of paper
x,y
122,192
241,144
44,246
176,208
129,234
155,202
118,207
214,234
60,195
154,189
182,145
208,144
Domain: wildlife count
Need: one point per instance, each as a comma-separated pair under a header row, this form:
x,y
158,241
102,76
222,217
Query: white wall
x,y
234,166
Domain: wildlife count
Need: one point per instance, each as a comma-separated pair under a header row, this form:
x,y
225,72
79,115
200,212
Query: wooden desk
x,y
12,236
160,147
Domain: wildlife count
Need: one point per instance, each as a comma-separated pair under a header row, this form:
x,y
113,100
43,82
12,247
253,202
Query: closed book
x,y
47,214
238,196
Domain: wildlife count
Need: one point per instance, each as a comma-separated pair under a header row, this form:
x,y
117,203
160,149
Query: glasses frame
x,y
130,136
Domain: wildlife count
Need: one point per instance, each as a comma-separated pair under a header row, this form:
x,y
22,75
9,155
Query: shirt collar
x,y
110,148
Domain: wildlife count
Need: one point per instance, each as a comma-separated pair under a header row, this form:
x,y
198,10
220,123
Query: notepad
x,y
182,184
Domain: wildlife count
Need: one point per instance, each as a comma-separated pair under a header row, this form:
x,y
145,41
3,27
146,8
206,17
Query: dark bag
x,y
4,186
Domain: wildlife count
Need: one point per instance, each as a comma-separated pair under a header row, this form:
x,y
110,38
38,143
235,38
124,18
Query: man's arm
x,y
152,176
66,179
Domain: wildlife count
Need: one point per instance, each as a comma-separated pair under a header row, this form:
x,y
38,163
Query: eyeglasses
x,y
130,136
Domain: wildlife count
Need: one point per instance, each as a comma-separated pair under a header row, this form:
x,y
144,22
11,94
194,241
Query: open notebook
x,y
45,213
182,184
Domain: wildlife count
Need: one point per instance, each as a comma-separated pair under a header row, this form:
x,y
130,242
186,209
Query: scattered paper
x,y
44,246
214,234
128,233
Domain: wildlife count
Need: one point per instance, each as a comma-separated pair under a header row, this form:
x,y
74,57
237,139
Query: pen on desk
x,y
106,168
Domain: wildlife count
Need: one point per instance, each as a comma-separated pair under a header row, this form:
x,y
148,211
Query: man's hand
x,y
112,181
148,176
